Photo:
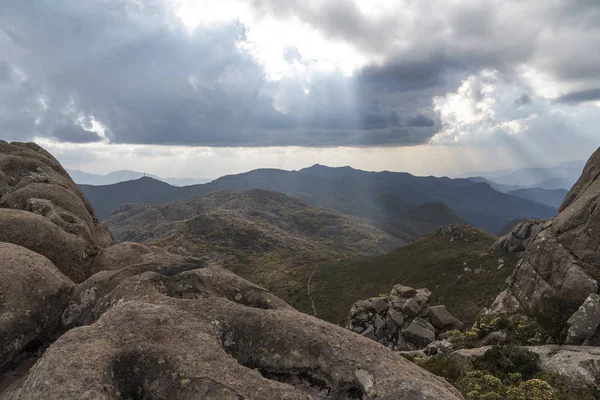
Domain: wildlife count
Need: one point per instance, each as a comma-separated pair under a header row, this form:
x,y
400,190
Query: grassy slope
x,y
434,262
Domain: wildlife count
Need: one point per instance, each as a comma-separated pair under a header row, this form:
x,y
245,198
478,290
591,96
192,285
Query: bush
x,y
449,367
477,385
507,361
487,324
463,340
527,331
533,389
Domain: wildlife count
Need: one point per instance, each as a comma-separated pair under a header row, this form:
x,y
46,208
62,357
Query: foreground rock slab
x,y
33,294
209,334
559,270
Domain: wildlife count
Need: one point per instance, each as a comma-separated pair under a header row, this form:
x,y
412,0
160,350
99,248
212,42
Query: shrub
x,y
505,361
487,324
463,340
449,367
477,384
533,389
527,331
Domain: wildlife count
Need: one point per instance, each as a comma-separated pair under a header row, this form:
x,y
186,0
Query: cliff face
x,y
133,321
560,269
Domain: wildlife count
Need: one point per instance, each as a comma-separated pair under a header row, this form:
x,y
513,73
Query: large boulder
x,y
33,294
209,334
45,211
561,265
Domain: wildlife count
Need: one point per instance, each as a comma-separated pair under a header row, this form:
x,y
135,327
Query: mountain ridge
x,y
349,191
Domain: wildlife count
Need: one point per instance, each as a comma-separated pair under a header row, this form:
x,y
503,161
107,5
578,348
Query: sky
x,y
203,88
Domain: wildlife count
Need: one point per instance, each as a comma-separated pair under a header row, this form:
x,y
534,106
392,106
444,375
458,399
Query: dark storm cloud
x,y
421,120
73,133
147,80
132,67
580,96
524,99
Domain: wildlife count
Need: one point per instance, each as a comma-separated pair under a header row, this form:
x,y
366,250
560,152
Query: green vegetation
x,y
519,329
504,372
451,263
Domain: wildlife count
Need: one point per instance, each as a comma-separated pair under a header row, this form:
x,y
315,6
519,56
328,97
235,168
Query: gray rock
x,y
414,353
411,308
494,338
33,294
400,343
403,291
420,332
378,322
559,266
519,237
394,318
584,323
379,305
439,347
369,333
440,317
422,296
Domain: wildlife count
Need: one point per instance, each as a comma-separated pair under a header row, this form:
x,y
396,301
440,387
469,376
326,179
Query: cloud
x,y
336,73
483,112
580,96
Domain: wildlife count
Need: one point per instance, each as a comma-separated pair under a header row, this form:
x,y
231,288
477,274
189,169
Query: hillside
x,y
264,236
454,263
385,198
549,197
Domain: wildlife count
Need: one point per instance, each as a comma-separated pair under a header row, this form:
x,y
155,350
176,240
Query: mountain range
x,y
86,178
399,203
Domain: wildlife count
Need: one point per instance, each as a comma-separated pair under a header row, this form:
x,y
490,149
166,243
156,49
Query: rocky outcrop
x,y
584,322
403,321
148,324
517,240
561,265
209,334
42,209
33,294
578,365
127,254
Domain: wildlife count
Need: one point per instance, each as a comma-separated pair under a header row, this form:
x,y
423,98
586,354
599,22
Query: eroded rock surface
x,y
209,334
33,294
517,240
561,265
403,321
42,209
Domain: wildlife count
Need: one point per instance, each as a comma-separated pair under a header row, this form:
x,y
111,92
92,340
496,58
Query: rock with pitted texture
x,y
209,334
42,209
33,294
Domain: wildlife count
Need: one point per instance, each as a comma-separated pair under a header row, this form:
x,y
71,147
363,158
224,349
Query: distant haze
x,y
84,178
